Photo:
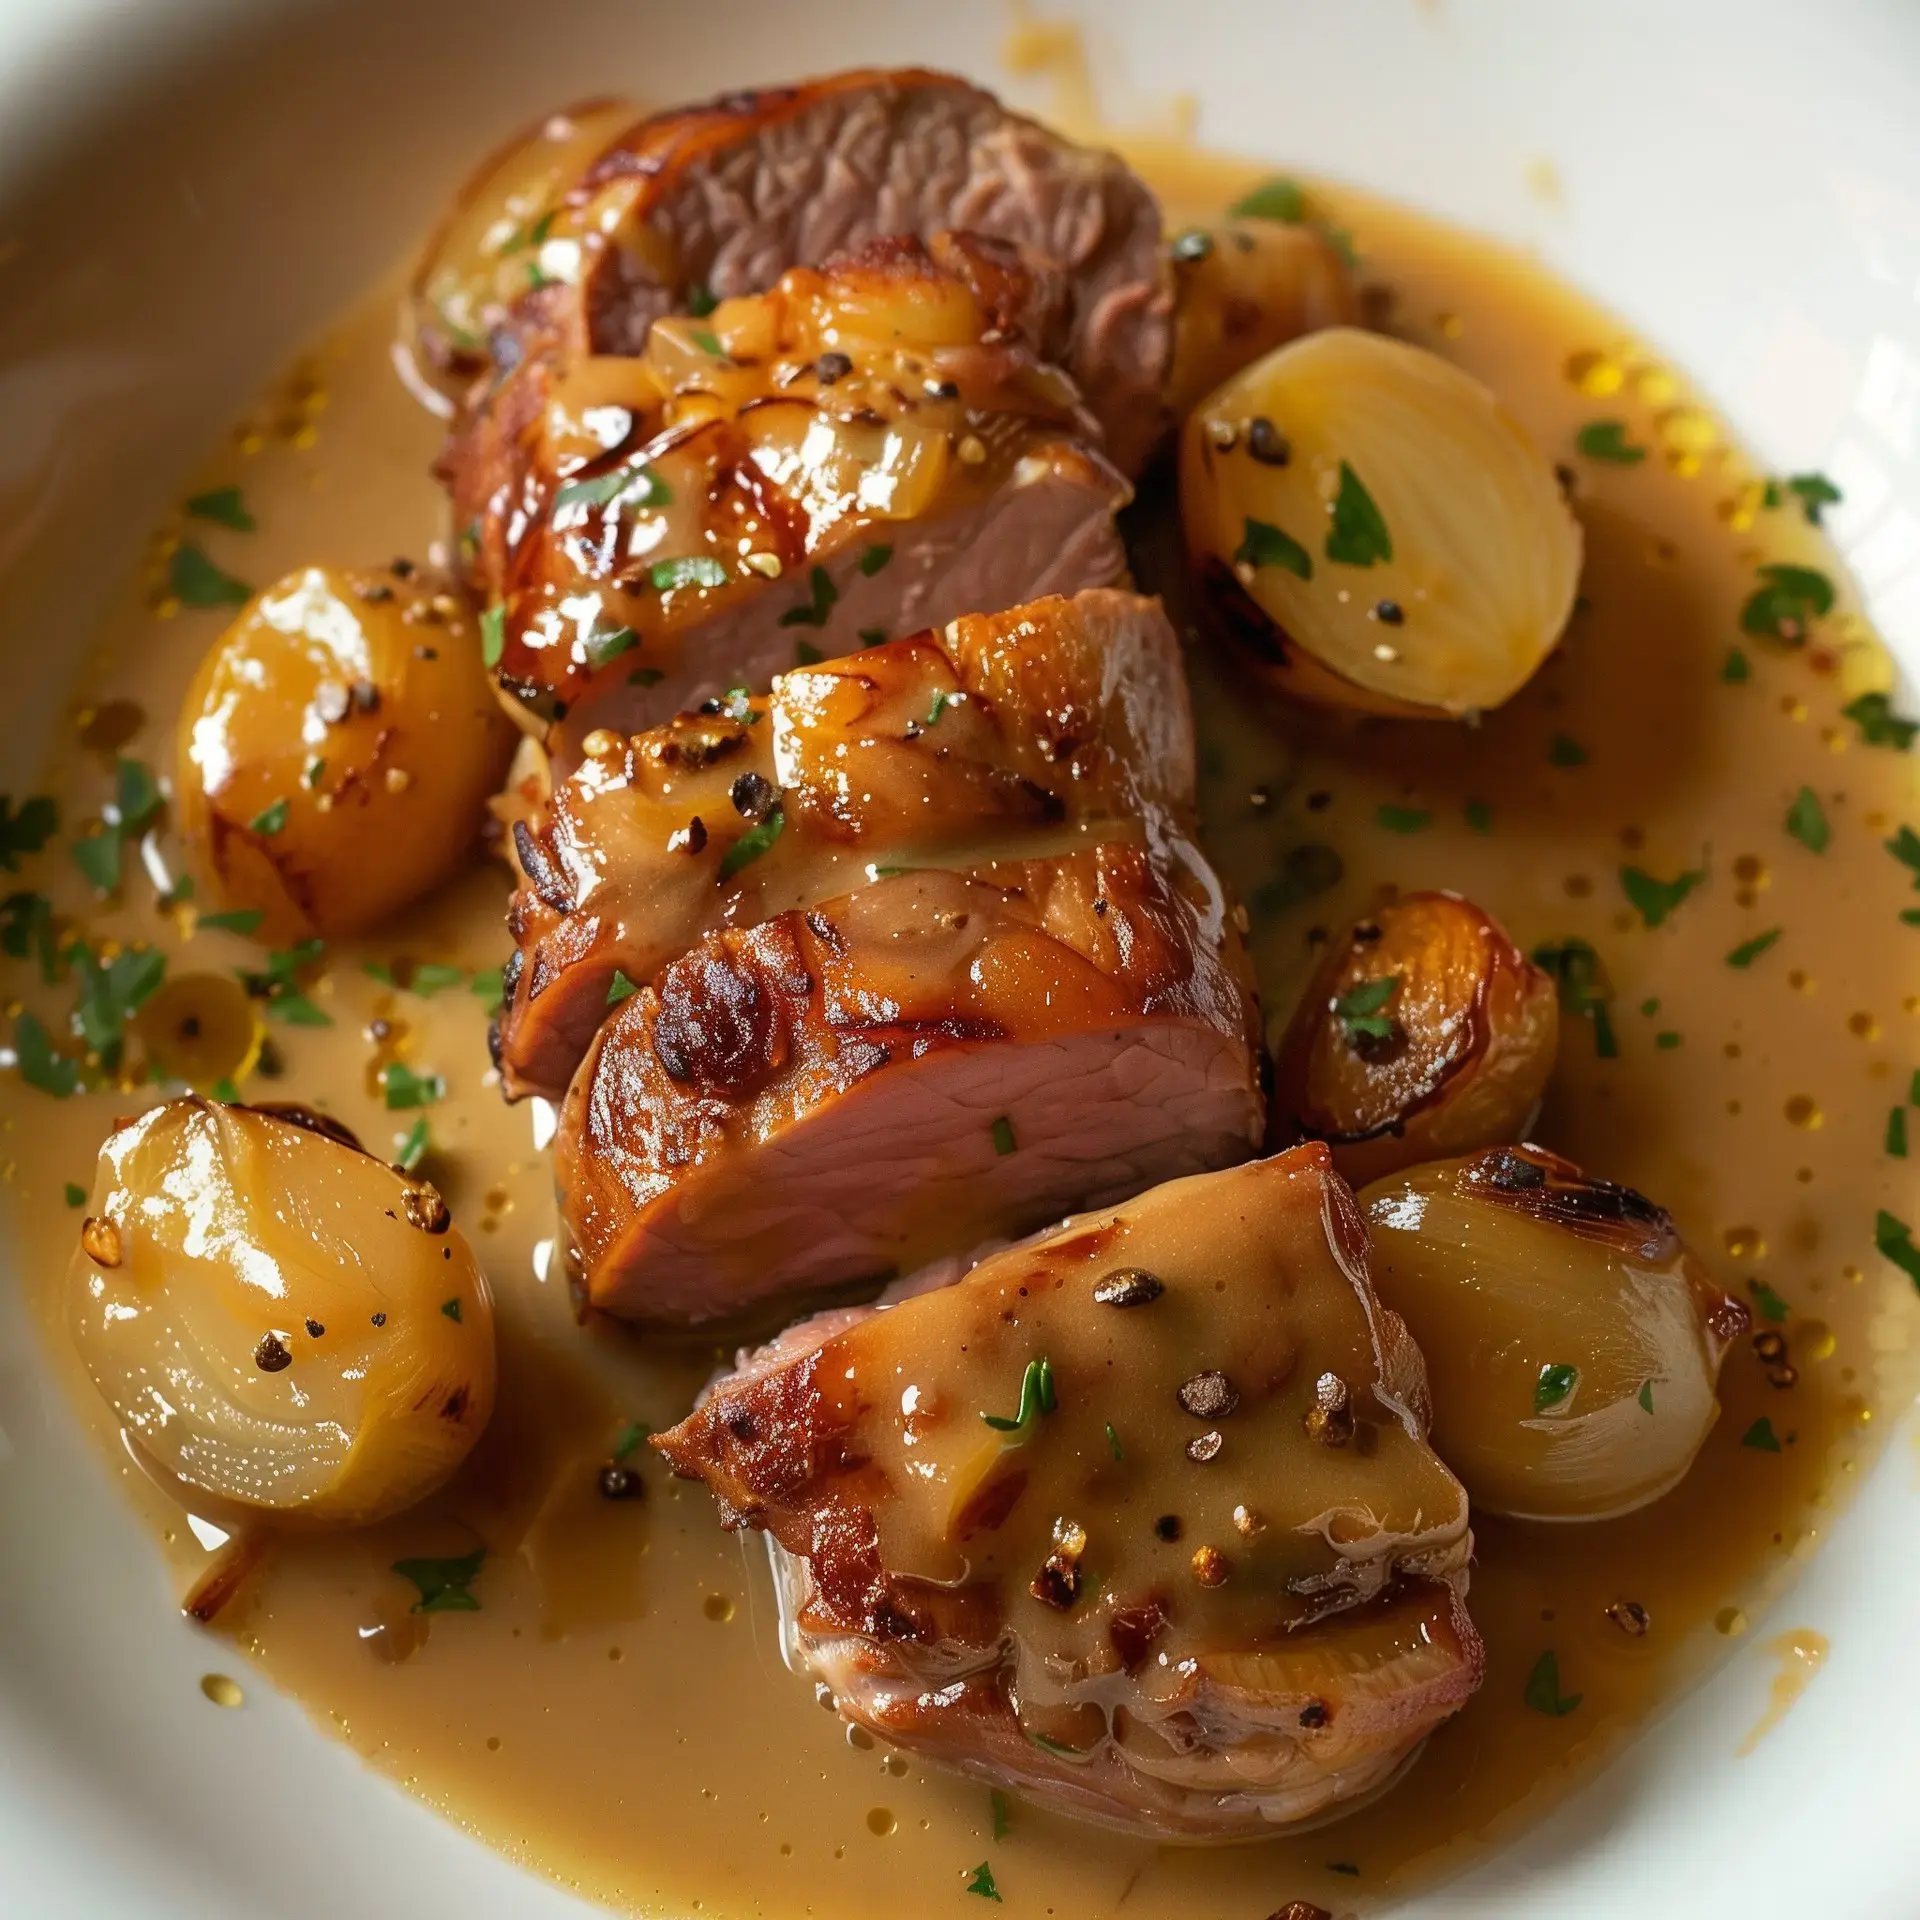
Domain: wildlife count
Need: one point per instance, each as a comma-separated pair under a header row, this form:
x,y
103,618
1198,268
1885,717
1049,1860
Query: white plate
x,y
189,188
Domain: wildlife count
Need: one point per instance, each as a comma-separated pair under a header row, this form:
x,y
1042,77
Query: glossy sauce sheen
x,y
616,1713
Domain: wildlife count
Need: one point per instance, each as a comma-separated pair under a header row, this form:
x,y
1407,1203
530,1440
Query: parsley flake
x,y
1807,821
1359,1008
1748,951
1276,199
806,654
625,486
1761,1436
451,1308
1771,1306
821,595
1814,491
1553,1386
707,341
413,1147
1736,668
620,988
490,987
1037,1399
195,581
403,1088
997,1806
1606,440
1262,545
444,1584
690,570
1003,1141
1543,1693
1583,988
493,634
701,300
754,842
26,830
1892,1238
1479,816
224,507
1655,899
1786,603
980,1881
874,559
629,1437
1645,1396
98,857
1879,725
1896,1145
604,646
1564,751
1358,536
1402,819
941,701
40,1066
76,1196
1113,1443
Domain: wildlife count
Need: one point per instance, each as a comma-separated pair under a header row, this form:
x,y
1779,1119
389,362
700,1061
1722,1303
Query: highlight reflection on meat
x,y
1138,1518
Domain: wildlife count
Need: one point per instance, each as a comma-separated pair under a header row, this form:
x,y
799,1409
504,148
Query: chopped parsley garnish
x,y
1897,1133
451,1308
627,486
1276,199
1003,1141
1892,1237
806,654
1607,440
26,830
701,300
269,820
224,507
1564,751
1343,1866
1479,816
1748,951
874,559
315,773
1402,819
872,636
1807,821
1736,667
1543,1693
1358,536
298,1011
1667,1040
1814,491
112,993
403,1088
413,1149
1645,1396
26,930
76,1196
620,988
1113,1443
1655,899
97,855
40,1066
980,1881
195,581
1583,988
1553,1386
1359,1008
645,677
1761,1436
1786,603
490,987
1262,545
604,646
754,842
629,1437
821,594
941,701
1879,725
493,634
690,570
1905,847
998,1807
137,798
430,976
707,341
444,1584
1037,1399
1771,1306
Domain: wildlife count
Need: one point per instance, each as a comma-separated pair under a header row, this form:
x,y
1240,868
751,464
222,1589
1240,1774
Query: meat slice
x,y
869,449
603,222
1138,1518
938,1059
1057,726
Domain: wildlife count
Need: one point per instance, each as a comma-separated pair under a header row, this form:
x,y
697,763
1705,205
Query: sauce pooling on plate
x,y
1700,831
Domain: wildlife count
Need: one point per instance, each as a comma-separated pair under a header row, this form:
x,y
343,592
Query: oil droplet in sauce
x,y
718,1606
881,1821
1801,1653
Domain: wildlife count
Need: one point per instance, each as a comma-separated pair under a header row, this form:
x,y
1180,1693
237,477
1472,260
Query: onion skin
x,y
1475,1027
1471,562
279,1319
1511,1267
337,749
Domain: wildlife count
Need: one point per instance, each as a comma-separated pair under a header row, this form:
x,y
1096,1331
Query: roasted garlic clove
x,y
1376,529
337,748
1425,1032
1572,1339
280,1319
1244,288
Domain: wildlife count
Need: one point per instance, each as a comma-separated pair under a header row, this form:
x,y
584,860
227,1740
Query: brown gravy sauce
x,y
617,1715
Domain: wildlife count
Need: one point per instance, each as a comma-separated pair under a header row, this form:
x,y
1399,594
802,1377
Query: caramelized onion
x,y
1376,528
278,1318
1572,1339
1425,1032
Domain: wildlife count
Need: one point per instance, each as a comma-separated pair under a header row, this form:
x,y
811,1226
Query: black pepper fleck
x,y
1390,613
314,1329
621,1483
270,1356
1267,444
752,795
1168,1527
831,367
1128,1287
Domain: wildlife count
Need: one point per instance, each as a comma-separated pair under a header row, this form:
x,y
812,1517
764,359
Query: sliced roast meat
x,y
868,449
1059,725
939,1059
599,224
1138,1518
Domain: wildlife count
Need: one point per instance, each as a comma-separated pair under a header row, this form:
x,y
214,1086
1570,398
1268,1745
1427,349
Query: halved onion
x,y
1572,1339
1425,1032
1376,528
280,1319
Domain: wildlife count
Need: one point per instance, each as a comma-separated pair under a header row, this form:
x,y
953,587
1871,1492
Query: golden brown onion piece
x,y
1572,1339
337,748
1376,529
1425,1032
1244,288
279,1318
